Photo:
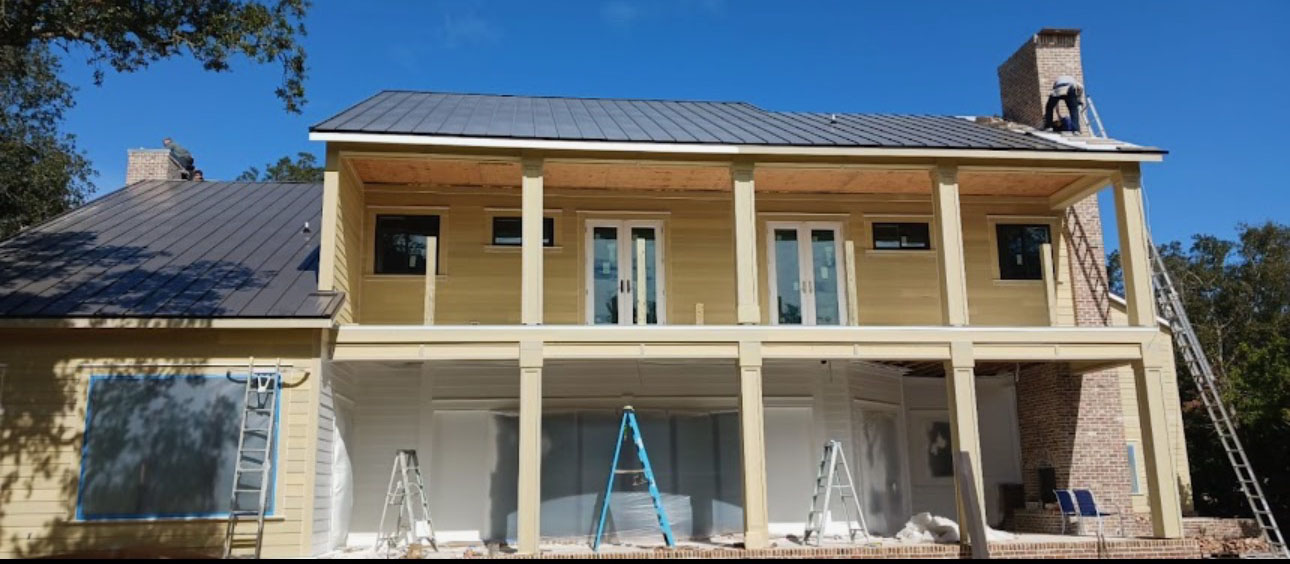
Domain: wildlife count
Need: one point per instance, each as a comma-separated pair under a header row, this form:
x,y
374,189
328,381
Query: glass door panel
x,y
610,286
606,285
824,277
649,235
788,274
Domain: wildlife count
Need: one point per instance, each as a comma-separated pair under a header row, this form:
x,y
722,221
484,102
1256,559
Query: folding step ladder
x,y
834,474
630,430
253,467
1202,374
407,496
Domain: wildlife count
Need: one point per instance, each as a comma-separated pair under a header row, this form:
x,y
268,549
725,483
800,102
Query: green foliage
x,y
1237,295
304,169
42,173
128,36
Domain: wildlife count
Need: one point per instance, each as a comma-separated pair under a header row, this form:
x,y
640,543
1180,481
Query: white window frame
x,y
805,267
627,253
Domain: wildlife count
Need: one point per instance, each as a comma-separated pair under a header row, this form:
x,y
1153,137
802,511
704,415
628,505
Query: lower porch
x,y
893,419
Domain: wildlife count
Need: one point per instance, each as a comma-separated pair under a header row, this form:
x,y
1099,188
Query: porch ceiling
x,y
712,177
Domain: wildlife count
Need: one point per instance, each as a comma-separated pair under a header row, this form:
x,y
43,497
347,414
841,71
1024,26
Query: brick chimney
x,y
151,164
1027,77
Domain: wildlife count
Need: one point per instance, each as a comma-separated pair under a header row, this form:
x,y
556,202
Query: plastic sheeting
x,y
925,527
694,458
342,482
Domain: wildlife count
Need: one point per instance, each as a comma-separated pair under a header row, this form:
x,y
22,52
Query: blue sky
x,y
1204,80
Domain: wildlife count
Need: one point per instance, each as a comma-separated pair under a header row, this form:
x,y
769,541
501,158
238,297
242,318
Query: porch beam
x,y
752,435
531,243
529,490
960,388
745,221
1162,493
947,224
1076,191
1134,248
483,334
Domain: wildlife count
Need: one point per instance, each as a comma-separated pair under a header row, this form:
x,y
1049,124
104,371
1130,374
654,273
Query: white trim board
x,y
732,150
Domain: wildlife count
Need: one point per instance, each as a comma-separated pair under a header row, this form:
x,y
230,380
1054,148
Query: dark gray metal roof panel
x,y
669,121
173,249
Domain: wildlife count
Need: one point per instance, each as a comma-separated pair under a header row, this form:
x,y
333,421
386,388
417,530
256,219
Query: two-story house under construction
x,y
490,279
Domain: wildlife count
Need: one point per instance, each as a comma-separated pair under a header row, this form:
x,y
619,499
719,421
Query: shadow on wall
x,y
146,443
1087,256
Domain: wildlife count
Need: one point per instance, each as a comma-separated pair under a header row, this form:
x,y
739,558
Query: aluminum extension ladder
x,y
253,467
1169,302
834,474
407,496
630,430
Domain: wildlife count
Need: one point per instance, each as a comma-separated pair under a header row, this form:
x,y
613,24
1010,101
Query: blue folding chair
x,y
1066,503
1088,507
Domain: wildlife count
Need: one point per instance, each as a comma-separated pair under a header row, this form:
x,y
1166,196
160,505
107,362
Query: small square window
x,y
891,236
508,231
401,243
1019,247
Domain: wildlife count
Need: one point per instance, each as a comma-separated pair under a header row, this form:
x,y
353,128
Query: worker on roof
x,y
198,176
181,156
1067,89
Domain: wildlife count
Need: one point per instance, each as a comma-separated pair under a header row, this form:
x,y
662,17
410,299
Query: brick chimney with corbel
x,y
1027,77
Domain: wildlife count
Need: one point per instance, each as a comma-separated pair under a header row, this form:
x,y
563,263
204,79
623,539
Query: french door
x,y
611,288
805,267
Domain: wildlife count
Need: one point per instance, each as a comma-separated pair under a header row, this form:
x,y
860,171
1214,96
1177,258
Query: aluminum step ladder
x,y
629,429
834,474
253,467
407,497
1170,305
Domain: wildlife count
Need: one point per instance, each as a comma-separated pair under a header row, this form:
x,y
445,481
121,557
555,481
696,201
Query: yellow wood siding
x,y
45,391
350,225
480,284
1161,352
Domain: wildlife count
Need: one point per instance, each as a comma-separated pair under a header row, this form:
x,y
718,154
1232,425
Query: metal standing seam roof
x,y
665,121
173,249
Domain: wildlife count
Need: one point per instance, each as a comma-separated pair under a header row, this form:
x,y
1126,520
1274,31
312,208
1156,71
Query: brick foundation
x,y
1083,548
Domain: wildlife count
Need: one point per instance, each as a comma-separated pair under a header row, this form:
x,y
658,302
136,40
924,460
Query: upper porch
x,y
830,242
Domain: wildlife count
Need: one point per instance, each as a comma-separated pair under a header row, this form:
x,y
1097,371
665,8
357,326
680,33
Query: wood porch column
x,y
947,225
1134,246
529,504
752,436
960,387
531,243
1162,481
745,220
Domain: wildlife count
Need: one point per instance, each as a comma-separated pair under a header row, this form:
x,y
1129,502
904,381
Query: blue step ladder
x,y
629,425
